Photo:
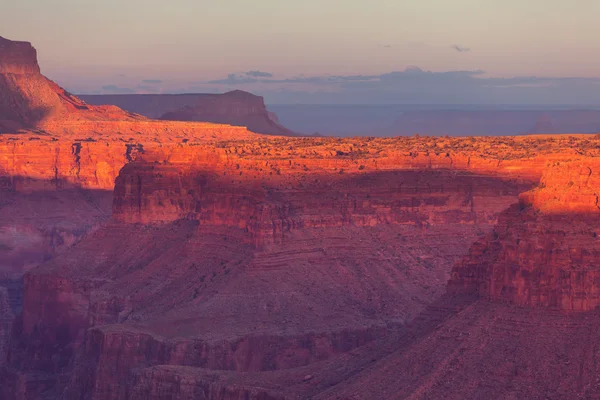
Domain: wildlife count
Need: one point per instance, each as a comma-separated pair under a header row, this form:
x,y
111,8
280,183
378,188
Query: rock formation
x,y
30,100
214,257
179,260
235,231
236,108
544,251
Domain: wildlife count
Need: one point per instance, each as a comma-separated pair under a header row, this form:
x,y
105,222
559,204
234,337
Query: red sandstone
x,y
234,265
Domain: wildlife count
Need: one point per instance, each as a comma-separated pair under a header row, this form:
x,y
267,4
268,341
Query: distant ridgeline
x,y
437,120
233,108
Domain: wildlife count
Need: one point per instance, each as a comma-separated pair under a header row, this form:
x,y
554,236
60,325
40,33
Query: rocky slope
x,y
529,309
237,108
544,251
519,320
215,256
185,260
235,264
30,100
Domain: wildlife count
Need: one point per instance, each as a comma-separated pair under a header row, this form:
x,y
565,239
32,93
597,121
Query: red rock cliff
x,y
28,99
17,58
545,250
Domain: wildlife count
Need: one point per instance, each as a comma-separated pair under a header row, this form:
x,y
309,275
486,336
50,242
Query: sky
x,y
319,50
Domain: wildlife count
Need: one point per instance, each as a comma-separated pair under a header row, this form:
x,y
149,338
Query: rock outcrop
x,y
236,108
18,58
30,100
237,233
243,248
544,251
192,260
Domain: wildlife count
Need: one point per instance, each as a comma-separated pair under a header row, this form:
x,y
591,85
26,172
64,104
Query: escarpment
x,y
226,269
272,205
30,100
544,250
233,108
165,259
247,254
223,251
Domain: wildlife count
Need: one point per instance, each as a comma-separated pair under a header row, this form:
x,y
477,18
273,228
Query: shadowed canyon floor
x,y
176,260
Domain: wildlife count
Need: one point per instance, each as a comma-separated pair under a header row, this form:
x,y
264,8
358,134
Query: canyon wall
x,y
30,100
213,257
224,244
544,251
156,259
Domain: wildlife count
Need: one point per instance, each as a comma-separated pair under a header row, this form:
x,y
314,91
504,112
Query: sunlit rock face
x,y
28,99
18,58
157,259
545,250
254,274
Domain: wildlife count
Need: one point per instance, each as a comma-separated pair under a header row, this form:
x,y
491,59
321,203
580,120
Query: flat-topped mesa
x,y
17,58
236,108
545,250
30,100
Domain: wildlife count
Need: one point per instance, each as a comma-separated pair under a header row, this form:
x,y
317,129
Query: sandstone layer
x,y
178,260
544,251
30,100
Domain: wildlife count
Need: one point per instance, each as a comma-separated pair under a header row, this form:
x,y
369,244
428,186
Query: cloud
x,y
333,79
417,86
113,89
461,49
152,81
412,85
259,74
244,79
234,79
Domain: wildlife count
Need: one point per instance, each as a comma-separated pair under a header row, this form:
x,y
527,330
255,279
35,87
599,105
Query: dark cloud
x,y
152,81
322,79
416,86
259,74
461,49
113,89
242,78
234,79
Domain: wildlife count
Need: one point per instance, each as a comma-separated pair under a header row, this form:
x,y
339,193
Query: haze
x,y
139,46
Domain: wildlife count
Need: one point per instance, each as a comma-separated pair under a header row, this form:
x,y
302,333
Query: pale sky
x,y
83,43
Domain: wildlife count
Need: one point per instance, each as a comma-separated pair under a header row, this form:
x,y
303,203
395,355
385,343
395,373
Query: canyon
x,y
155,259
